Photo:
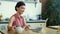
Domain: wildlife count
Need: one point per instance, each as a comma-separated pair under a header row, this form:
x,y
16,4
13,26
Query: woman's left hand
x,y
27,27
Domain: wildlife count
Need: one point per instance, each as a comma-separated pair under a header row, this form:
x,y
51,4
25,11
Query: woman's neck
x,y
18,14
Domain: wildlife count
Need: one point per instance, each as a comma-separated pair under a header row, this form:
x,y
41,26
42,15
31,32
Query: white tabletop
x,y
55,26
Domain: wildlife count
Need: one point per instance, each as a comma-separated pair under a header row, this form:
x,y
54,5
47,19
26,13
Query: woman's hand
x,y
27,27
10,28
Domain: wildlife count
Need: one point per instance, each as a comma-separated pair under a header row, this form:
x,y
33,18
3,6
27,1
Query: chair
x,y
39,29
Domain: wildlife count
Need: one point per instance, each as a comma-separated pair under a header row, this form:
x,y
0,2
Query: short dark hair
x,y
20,3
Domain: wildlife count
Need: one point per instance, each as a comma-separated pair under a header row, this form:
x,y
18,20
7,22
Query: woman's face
x,y
20,9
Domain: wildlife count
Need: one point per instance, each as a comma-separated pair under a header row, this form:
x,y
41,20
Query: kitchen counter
x,y
37,21
33,26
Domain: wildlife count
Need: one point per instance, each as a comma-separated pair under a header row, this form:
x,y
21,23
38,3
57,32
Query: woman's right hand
x,y
9,28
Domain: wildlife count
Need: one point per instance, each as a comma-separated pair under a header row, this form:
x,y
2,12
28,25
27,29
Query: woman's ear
x,y
17,8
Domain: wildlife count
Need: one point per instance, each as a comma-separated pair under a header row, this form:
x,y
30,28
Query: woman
x,y
17,21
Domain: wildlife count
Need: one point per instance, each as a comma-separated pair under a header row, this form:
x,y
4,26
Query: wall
x,y
7,9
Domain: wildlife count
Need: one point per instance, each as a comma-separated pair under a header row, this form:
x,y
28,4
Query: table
x,y
56,28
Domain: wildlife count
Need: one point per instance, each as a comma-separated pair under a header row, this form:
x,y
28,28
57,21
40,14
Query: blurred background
x,y
36,10
36,14
32,11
